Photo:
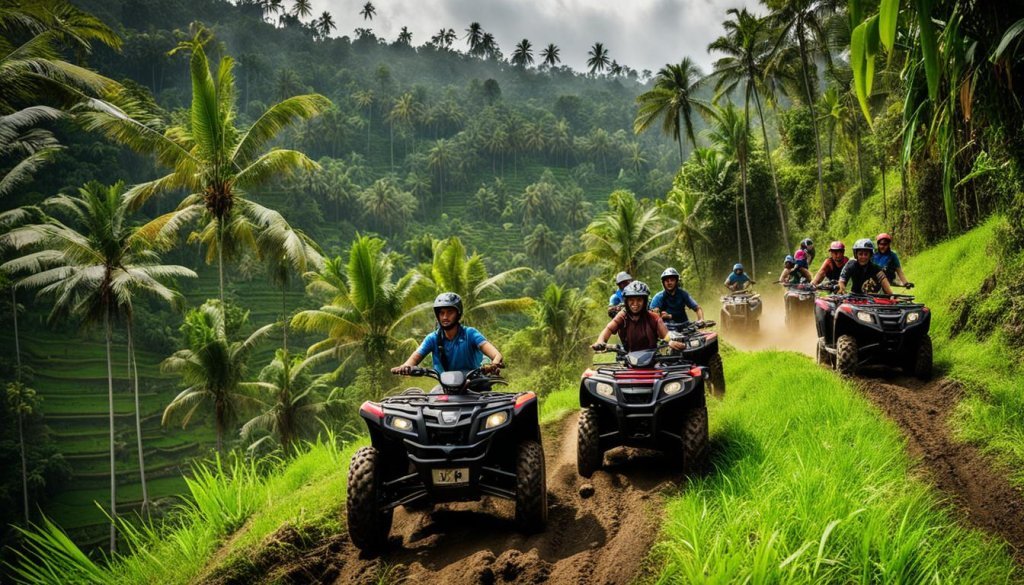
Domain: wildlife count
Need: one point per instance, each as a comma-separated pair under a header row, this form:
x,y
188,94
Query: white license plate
x,y
456,476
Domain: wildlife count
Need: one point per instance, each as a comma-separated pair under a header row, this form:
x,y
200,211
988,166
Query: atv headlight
x,y
400,423
672,388
496,420
912,317
605,389
694,343
865,317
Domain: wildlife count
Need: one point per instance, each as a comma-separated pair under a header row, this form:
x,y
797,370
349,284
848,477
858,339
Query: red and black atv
x,y
859,330
799,301
459,442
701,349
646,400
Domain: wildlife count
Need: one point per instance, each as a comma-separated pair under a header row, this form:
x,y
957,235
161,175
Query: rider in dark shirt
x,y
673,301
863,276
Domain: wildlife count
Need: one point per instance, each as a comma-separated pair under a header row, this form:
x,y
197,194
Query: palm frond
x,y
273,121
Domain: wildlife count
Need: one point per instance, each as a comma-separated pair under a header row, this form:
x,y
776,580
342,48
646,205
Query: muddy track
x,y
980,492
601,536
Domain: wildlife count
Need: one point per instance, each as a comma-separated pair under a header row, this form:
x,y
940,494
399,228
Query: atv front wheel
x,y
821,355
531,488
695,439
923,359
368,525
717,376
846,355
589,455
723,320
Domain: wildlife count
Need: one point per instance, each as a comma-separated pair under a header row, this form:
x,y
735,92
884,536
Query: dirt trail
x,y
773,333
601,538
981,493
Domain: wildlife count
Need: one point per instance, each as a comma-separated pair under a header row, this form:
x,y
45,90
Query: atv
x,y
645,399
799,300
457,443
741,310
859,330
702,349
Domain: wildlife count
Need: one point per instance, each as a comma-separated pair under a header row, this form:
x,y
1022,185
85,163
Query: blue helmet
x,y
737,266
789,259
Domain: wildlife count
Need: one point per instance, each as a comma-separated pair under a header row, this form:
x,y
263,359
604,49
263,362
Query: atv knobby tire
x,y
695,439
923,359
368,525
589,455
531,488
846,355
717,376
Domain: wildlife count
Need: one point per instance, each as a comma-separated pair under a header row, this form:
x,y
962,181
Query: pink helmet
x,y
837,246
883,236
800,255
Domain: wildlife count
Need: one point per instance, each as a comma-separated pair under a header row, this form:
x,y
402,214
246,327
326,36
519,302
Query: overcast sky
x,y
643,34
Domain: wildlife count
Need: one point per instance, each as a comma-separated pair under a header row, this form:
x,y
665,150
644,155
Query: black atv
x,y
646,400
457,443
701,349
858,330
799,301
741,311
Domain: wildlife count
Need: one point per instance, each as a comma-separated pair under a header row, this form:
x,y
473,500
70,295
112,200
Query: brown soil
x,y
980,492
773,332
603,537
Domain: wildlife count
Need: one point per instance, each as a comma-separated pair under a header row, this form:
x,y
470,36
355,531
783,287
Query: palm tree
x,y
405,37
550,55
213,369
672,100
598,59
523,54
287,250
405,111
629,237
22,402
730,133
294,406
387,206
214,162
747,50
302,8
364,99
365,309
368,11
440,159
681,210
541,245
563,316
474,38
635,157
325,25
94,272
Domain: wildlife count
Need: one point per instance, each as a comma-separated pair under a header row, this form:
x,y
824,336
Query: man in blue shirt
x,y
673,301
452,346
738,279
889,261
615,302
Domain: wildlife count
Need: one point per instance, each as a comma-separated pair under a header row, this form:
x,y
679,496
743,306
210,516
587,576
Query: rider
x,y
673,301
801,260
793,272
453,345
863,275
638,327
833,265
808,247
622,279
738,280
888,260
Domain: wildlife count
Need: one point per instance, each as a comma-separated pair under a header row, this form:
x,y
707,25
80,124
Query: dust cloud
x,y
774,333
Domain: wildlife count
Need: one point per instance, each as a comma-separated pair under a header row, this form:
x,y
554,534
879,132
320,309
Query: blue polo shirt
x,y
616,298
675,304
888,262
462,352
738,278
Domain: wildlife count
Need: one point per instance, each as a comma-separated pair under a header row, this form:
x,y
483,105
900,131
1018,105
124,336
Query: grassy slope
x,y
992,412
820,491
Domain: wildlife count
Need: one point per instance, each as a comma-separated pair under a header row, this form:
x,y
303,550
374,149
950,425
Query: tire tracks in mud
x,y
982,494
601,537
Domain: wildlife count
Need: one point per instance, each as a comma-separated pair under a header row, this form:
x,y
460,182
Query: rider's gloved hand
x,y
677,345
402,370
908,286
599,346
492,368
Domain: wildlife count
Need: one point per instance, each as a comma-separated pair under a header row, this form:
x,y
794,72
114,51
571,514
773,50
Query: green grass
x,y
980,356
811,485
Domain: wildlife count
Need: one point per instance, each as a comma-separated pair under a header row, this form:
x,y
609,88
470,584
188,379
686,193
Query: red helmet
x,y
800,255
883,236
837,246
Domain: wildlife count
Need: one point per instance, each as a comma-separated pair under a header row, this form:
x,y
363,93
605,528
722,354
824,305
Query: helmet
x,y
800,255
863,244
883,236
448,300
669,272
622,277
636,289
837,246
807,243
737,266
789,259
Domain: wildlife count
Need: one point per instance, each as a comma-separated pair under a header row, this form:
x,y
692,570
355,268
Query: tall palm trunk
x,y
110,406
134,376
779,205
218,415
21,415
220,262
814,121
746,214
739,234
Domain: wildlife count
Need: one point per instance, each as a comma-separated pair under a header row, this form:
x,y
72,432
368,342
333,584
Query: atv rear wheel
x,y
695,439
923,359
589,455
717,377
846,355
368,525
531,488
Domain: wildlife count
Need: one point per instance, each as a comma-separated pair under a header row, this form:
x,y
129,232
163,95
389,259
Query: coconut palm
x,y
563,316
550,55
730,133
541,245
681,211
747,50
368,11
287,251
213,369
365,309
629,237
214,162
405,111
522,55
364,99
93,267
325,25
598,59
386,206
302,8
404,36
474,38
440,160
673,101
